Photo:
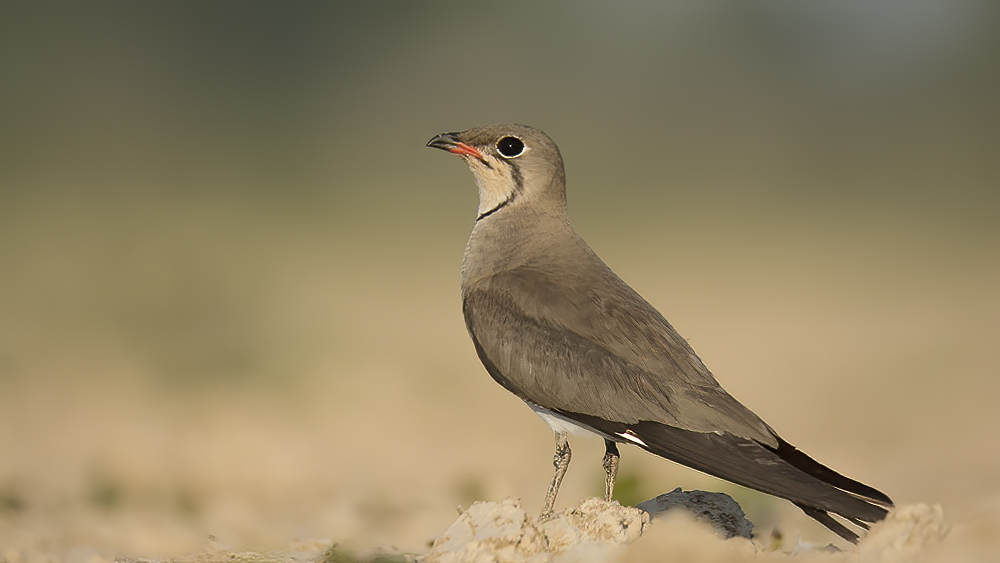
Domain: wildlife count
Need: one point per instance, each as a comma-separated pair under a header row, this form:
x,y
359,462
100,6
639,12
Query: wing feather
x,y
754,465
597,349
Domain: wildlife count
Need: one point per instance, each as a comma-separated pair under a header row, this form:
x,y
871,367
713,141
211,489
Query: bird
x,y
555,326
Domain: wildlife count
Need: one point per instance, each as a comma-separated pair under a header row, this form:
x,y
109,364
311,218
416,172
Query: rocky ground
x,y
598,531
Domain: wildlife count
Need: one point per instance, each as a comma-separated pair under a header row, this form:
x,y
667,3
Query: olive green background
x,y
229,268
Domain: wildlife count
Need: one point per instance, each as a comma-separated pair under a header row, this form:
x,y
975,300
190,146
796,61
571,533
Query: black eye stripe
x,y
510,147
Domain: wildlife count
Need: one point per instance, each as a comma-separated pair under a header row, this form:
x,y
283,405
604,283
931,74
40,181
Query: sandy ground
x,y
311,390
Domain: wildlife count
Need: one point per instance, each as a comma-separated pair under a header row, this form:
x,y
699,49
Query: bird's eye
x,y
510,147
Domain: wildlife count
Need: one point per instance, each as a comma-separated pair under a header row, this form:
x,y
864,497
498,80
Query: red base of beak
x,y
466,150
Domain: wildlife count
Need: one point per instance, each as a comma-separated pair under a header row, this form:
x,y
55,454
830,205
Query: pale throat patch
x,y
495,184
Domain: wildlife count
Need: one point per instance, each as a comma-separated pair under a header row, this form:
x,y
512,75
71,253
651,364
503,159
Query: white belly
x,y
562,425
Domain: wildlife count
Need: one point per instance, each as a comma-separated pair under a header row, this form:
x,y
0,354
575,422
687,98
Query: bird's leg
x,y
561,462
611,456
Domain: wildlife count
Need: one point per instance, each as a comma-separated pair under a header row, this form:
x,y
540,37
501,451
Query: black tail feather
x,y
824,518
783,471
803,462
861,524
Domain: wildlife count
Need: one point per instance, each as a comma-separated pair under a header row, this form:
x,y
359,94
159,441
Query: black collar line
x,y
486,214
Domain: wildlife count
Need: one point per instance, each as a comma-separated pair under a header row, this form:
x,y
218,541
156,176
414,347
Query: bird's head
x,y
513,164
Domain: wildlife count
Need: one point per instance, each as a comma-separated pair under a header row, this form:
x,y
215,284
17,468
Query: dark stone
x,y
716,509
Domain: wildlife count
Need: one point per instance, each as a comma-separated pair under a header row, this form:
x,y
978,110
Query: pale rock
x,y
502,532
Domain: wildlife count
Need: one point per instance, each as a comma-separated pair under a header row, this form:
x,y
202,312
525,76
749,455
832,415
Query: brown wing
x,y
599,349
614,365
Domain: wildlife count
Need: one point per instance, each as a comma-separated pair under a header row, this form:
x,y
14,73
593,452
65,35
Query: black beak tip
x,y
444,141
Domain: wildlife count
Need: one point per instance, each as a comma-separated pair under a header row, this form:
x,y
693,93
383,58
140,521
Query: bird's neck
x,y
514,237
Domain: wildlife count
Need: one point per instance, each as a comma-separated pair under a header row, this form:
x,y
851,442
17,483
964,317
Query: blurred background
x,y
229,268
